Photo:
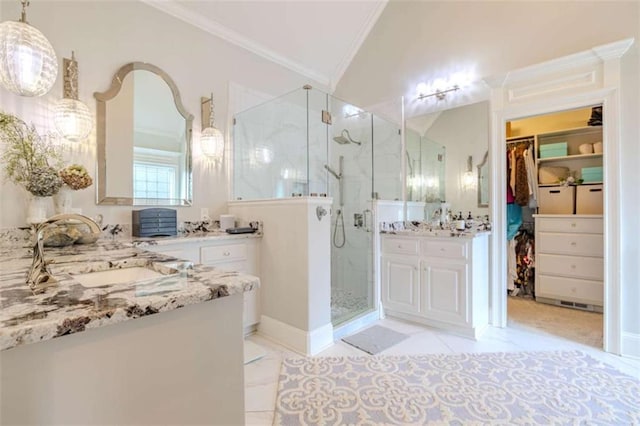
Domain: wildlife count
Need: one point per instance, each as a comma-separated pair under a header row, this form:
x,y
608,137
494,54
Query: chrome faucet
x,y
39,277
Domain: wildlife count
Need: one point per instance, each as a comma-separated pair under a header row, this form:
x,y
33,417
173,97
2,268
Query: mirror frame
x,y
101,125
485,161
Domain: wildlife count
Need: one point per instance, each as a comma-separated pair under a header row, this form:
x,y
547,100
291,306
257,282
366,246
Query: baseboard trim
x,y
356,324
469,332
630,345
319,339
303,342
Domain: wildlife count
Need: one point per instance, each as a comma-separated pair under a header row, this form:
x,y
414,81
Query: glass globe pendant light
x,y
28,63
211,139
72,118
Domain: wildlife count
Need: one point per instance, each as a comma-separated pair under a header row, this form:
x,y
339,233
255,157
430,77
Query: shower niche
x,y
308,143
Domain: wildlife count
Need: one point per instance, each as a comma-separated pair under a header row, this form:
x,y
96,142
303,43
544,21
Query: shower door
x,y
350,180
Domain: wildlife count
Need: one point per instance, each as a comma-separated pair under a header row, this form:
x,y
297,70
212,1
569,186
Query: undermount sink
x,y
146,275
116,276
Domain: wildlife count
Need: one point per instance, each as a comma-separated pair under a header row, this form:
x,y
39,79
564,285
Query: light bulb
x,y
28,63
72,119
212,143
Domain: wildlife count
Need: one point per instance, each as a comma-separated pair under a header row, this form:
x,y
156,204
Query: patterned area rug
x,y
497,388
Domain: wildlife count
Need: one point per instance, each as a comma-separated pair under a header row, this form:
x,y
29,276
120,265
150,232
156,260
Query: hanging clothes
x,y
510,198
531,177
512,266
514,220
521,192
525,263
511,164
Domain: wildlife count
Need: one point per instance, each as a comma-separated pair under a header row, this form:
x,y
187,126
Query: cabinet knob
x,y
226,253
573,225
573,266
442,249
573,243
399,245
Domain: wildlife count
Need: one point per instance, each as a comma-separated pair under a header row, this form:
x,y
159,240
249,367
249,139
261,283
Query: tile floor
x,y
261,376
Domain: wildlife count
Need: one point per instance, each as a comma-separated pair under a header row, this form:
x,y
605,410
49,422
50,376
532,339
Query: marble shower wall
x,y
271,156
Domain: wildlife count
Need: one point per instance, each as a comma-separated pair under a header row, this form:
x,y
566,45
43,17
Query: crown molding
x,y
590,57
613,50
174,9
357,43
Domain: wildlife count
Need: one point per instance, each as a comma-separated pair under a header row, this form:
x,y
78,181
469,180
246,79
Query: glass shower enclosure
x,y
309,143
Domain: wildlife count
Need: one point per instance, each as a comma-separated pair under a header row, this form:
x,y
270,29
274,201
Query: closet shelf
x,y
569,157
559,184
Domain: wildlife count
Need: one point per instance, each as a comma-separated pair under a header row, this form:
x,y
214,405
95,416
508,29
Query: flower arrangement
x,y
27,155
44,182
76,177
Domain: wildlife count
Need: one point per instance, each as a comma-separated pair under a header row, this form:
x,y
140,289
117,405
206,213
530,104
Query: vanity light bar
x,y
439,94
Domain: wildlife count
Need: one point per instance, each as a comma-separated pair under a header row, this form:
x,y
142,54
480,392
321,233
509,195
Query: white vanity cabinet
x,y
438,281
240,255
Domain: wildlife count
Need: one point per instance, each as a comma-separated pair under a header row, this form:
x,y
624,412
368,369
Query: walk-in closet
x,y
555,187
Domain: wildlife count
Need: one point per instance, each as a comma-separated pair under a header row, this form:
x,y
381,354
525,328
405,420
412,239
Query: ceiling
x,y
317,39
431,41
371,58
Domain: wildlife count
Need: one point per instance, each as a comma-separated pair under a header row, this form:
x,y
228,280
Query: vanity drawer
x,y
400,245
570,289
571,266
570,224
225,253
447,249
572,244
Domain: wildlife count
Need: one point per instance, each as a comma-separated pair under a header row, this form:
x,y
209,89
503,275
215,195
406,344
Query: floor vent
x,y
576,305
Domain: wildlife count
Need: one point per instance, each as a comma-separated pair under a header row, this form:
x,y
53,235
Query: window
x,y
156,174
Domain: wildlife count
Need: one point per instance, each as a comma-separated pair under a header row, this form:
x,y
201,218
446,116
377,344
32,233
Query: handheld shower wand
x,y
339,215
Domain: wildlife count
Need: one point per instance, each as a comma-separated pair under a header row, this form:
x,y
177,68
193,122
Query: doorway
x,y
554,201
611,203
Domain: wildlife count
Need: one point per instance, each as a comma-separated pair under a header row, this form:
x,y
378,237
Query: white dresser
x,y
438,281
569,260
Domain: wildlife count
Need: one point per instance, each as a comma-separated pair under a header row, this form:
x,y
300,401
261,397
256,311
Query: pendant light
x,y
72,118
28,63
211,139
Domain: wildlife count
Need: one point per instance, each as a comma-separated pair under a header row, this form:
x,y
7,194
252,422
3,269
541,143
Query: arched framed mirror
x,y
144,140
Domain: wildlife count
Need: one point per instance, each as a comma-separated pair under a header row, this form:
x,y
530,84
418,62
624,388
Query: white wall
x,y
108,34
295,270
630,194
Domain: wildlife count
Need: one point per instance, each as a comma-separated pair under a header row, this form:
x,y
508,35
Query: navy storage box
x,y
156,222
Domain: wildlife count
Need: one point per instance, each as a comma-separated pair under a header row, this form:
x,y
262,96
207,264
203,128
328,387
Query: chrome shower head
x,y
345,138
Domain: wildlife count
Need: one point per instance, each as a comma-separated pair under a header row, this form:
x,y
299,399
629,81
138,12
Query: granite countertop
x,y
440,233
69,307
192,237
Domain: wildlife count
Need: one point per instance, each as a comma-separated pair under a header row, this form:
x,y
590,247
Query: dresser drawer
x,y
570,289
572,244
570,266
446,249
570,224
392,245
225,253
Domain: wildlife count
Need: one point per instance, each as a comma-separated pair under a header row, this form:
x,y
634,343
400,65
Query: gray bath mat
x,y
375,339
